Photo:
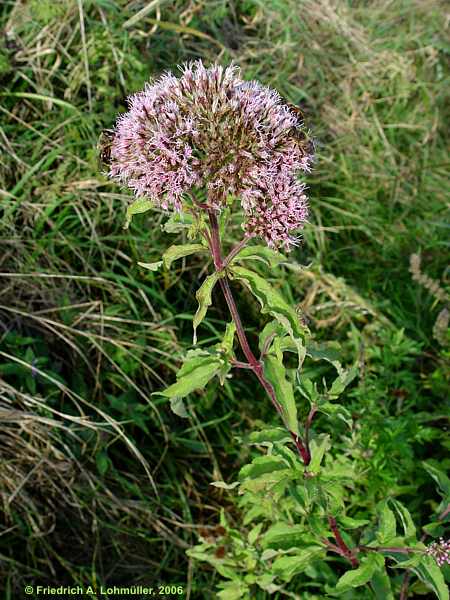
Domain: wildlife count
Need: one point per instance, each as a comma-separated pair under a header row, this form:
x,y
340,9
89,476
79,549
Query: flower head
x,y
209,128
440,551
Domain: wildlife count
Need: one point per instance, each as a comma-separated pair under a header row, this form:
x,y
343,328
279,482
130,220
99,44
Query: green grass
x,y
99,480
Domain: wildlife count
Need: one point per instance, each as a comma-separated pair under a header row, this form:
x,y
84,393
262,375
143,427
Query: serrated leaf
x,y
363,574
154,266
275,434
341,382
387,526
350,523
272,258
175,252
283,536
276,375
288,566
274,304
405,517
328,351
431,575
308,389
138,206
318,448
193,375
203,296
260,466
178,407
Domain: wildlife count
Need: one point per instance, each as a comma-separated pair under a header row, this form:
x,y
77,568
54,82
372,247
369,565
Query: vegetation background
x,y
100,482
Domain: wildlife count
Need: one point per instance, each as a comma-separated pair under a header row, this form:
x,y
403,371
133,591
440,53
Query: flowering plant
x,y
206,145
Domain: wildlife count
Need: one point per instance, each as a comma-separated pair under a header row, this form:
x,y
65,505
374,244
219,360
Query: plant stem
x,y
253,363
235,251
241,365
344,549
405,585
308,424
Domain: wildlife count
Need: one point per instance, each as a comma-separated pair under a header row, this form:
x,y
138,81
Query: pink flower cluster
x,y
440,551
211,129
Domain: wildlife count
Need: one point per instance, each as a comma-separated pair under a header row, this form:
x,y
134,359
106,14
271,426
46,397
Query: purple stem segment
x,y
253,363
344,550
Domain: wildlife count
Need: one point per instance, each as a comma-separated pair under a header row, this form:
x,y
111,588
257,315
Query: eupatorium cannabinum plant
x,y
208,146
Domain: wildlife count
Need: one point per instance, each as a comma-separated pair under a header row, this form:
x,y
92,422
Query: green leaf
x,y
103,462
431,575
195,373
405,517
269,436
272,330
404,562
440,478
341,382
203,296
225,486
272,258
154,266
351,523
226,345
225,567
276,374
328,351
254,533
178,407
260,466
268,554
175,252
288,566
138,206
336,410
308,389
177,222
267,482
387,526
435,529
274,304
381,585
363,574
318,448
283,536
233,590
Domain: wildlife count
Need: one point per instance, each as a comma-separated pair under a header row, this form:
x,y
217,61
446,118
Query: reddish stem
x,y
344,549
235,251
254,364
303,450
308,424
